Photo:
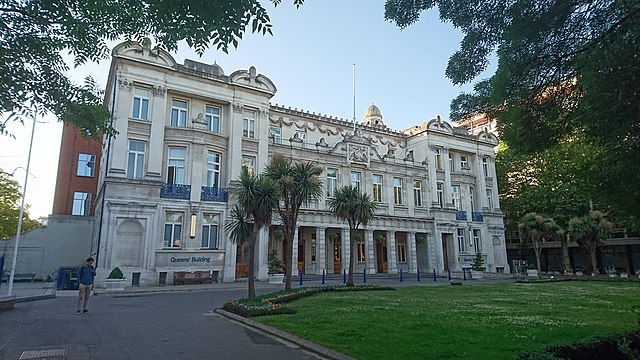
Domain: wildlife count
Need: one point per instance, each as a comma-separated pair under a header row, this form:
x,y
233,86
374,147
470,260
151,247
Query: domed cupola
x,y
373,117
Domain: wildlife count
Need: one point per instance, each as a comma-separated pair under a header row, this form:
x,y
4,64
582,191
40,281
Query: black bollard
x,y
300,277
400,275
464,274
434,274
344,276
449,272
364,279
418,273
322,276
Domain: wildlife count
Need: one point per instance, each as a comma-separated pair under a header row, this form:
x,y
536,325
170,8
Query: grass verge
x,y
462,322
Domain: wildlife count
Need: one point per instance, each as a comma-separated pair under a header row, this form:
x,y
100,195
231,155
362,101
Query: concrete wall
x,y
65,241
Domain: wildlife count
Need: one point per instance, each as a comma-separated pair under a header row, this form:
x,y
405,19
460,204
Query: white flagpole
x,y
354,98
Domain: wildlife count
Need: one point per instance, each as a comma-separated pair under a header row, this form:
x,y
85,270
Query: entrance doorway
x,y
242,260
381,256
337,257
446,249
301,257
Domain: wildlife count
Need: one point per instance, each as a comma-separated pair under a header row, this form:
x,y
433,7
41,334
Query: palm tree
x,y
588,231
357,209
298,184
256,197
535,230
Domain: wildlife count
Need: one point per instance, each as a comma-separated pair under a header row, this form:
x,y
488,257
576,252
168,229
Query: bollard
x,y
418,273
344,276
322,276
400,275
300,277
464,274
449,272
364,279
434,274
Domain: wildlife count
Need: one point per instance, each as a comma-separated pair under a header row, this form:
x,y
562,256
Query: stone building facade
x,y
186,130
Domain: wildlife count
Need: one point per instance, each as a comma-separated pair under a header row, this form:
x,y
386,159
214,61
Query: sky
x,y
310,59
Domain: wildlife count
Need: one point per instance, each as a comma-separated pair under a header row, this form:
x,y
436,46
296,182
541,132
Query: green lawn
x,y
461,322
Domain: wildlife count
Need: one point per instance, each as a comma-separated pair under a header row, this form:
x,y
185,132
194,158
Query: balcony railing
x,y
461,215
476,216
175,191
213,194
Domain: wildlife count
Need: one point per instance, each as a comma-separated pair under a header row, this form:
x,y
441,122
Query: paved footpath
x,y
171,322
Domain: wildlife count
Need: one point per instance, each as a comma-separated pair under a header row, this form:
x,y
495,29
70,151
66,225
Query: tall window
x,y
417,193
81,203
464,162
451,167
86,164
276,134
355,180
332,182
440,193
140,104
473,204
179,113
402,251
477,244
173,230
377,188
489,199
135,160
461,240
212,117
250,163
249,125
209,232
438,156
455,197
213,169
397,191
485,166
360,244
175,171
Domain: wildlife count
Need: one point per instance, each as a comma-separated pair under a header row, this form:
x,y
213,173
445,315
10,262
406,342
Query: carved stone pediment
x,y
358,154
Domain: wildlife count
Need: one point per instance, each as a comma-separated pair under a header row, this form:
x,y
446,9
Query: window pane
x,y
205,236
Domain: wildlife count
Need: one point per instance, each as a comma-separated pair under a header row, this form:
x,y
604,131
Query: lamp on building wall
x,y
192,228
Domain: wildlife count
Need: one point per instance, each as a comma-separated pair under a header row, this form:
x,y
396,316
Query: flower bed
x,y
271,303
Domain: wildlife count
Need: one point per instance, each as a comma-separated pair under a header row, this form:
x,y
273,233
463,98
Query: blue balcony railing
x,y
175,191
213,194
461,215
476,216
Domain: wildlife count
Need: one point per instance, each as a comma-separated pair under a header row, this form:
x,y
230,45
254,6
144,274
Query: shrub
x,y
276,266
116,273
478,262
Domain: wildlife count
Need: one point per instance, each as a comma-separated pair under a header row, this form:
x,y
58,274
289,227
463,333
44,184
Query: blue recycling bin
x,y
67,278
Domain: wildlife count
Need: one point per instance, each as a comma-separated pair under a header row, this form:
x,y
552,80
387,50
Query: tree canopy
x,y
10,196
36,33
565,69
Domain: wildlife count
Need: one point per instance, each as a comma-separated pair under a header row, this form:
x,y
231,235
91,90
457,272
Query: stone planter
x,y
612,275
276,278
115,285
532,273
624,275
579,273
475,274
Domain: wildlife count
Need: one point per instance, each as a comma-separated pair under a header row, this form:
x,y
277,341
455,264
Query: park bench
x,y
192,277
19,277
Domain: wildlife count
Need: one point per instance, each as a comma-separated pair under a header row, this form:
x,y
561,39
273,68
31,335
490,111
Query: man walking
x,y
85,283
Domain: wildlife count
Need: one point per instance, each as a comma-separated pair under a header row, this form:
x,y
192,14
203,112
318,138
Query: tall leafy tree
x,y
298,184
564,68
36,33
257,197
536,230
10,196
588,231
356,208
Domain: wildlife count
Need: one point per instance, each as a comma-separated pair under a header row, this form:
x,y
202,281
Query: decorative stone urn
x,y
115,285
276,278
532,273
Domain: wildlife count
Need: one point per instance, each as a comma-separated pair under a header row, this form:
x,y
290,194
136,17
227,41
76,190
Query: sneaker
x,y
78,312
85,311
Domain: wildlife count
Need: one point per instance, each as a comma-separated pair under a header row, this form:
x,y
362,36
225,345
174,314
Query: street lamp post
x,y
24,193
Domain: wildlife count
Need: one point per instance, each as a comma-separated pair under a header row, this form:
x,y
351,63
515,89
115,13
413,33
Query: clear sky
x,y
310,59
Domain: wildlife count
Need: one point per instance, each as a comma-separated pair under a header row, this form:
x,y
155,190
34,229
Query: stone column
x,y
155,151
346,249
413,258
320,251
481,187
262,249
294,254
392,265
370,263
448,198
229,272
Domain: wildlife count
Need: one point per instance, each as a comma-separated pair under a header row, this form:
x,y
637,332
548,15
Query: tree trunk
x,y
594,261
566,264
352,257
288,258
537,249
252,264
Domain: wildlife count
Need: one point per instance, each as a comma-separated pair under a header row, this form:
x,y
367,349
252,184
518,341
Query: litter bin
x,y
67,278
